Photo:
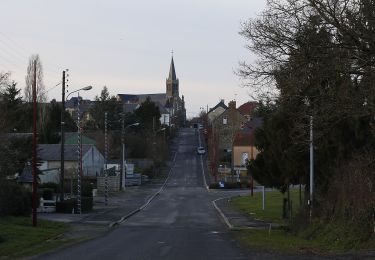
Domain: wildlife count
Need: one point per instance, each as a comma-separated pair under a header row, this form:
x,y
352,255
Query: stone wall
x,y
113,184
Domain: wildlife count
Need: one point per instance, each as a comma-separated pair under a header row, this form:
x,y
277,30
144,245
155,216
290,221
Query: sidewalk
x,y
235,219
103,218
119,206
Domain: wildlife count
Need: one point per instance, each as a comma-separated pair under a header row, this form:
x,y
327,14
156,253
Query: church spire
x,y
172,81
172,72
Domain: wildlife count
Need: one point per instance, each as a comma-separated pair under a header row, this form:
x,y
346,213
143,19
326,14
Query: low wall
x,y
113,184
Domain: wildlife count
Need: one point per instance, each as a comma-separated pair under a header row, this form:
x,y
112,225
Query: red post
x,y
35,186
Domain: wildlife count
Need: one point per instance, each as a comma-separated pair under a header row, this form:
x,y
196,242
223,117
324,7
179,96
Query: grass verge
x,y
273,212
18,238
279,241
315,239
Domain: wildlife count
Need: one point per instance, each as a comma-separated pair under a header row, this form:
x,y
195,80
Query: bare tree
x,y
4,80
40,88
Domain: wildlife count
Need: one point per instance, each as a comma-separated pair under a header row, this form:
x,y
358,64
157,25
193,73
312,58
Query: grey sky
x,y
126,45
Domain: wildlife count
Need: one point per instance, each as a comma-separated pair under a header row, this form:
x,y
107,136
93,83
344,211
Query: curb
x,y
132,213
225,219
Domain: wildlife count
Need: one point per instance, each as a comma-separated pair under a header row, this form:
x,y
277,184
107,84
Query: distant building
x,y
226,125
171,105
71,107
92,159
243,150
216,111
247,109
72,138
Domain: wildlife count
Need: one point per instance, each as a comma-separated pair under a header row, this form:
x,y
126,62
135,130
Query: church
x,y
171,105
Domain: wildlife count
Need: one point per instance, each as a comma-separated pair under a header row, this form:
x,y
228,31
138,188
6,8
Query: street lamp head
x,y
136,124
87,88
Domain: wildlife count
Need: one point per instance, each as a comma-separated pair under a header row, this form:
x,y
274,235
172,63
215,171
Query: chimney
x,y
232,104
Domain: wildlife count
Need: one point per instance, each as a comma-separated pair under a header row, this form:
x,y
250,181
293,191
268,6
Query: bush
x,y
149,172
47,194
214,185
67,206
15,200
87,187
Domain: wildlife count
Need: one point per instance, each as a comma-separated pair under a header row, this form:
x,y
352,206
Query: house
x,y
171,105
165,117
71,107
216,111
45,176
243,150
92,159
130,107
71,138
248,108
225,127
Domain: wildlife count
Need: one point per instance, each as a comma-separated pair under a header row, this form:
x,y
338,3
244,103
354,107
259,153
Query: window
x,y
225,120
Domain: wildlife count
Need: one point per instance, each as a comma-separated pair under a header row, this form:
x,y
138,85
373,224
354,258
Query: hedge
x,y
15,200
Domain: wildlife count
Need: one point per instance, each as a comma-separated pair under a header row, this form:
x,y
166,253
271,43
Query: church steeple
x,y
172,82
172,71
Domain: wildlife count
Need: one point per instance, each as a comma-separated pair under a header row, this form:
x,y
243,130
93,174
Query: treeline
x,y
148,139
316,66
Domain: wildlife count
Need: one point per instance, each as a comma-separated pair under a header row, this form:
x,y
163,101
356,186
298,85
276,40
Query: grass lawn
x,y
18,237
280,240
273,205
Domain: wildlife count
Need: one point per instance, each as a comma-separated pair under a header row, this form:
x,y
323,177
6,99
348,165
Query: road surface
x,y
180,223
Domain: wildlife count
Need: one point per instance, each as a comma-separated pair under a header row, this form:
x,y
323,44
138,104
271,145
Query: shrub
x,y
15,200
214,185
149,172
87,187
47,193
65,206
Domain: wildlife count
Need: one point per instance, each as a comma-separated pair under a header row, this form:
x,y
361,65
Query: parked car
x,y
201,150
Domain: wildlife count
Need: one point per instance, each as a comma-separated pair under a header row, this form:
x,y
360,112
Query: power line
x,y
17,49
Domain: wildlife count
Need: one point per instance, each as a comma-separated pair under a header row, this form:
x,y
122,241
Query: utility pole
x,y
35,186
62,138
105,160
122,173
311,166
79,169
251,175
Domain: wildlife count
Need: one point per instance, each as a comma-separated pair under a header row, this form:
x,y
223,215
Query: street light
x,y
84,88
63,99
311,141
123,173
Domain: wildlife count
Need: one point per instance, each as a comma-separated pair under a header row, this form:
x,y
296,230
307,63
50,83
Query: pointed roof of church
x,y
172,71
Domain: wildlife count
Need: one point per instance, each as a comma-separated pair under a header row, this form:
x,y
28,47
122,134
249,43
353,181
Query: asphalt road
x,y
180,223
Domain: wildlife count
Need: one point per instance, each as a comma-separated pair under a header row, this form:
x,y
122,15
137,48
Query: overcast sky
x,y
126,45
